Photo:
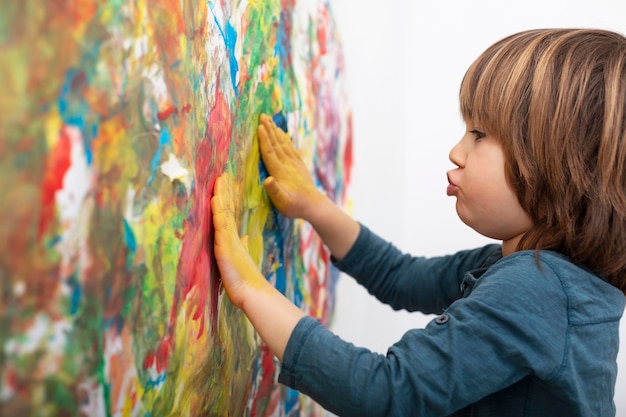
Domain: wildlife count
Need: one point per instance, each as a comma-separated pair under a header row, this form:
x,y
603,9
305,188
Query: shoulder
x,y
550,278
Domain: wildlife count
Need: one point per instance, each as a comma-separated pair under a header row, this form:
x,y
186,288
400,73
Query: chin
x,y
484,231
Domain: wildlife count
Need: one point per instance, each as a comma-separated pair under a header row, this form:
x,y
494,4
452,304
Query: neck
x,y
510,245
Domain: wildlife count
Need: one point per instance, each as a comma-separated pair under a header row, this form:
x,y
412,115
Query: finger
x,y
220,218
223,218
275,190
284,142
222,190
226,234
268,152
216,200
275,137
222,205
279,141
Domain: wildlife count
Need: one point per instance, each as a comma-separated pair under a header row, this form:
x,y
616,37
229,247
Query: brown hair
x,y
556,99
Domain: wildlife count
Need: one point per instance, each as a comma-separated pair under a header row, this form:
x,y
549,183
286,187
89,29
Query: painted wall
x,y
117,117
405,62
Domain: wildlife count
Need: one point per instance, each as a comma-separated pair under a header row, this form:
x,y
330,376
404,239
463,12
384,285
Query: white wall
x,y
405,60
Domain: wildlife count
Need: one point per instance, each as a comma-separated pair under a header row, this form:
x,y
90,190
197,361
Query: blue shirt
x,y
514,337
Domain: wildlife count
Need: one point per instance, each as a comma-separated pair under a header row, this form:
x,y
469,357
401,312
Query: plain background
x,y
404,64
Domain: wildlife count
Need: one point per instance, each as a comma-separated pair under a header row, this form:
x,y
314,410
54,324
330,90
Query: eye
x,y
478,134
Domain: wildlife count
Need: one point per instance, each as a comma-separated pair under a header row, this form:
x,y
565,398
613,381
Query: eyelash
x,y
478,133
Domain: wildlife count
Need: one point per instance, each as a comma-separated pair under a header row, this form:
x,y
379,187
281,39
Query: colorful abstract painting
x,y
116,117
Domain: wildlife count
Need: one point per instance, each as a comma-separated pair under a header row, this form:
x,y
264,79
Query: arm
x,y
295,195
513,324
409,282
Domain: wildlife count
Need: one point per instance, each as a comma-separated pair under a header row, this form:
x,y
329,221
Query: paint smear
x,y
122,117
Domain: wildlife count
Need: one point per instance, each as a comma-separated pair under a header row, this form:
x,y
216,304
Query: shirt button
x,y
442,319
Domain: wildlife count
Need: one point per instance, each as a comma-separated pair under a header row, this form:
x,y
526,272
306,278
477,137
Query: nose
x,y
456,155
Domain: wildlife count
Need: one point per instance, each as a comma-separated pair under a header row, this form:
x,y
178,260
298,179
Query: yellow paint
x,y
229,197
255,204
127,408
52,127
137,11
182,41
160,225
113,150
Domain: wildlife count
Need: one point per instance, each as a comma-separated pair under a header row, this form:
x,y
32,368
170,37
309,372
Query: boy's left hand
x,y
237,268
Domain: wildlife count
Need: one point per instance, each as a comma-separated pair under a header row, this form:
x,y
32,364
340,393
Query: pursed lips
x,y
452,187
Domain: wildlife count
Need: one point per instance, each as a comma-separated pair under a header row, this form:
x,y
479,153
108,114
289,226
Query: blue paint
x,y
51,243
256,368
164,139
297,297
154,383
281,121
131,243
285,230
74,110
274,237
280,278
230,40
129,236
95,129
282,43
263,173
75,293
292,400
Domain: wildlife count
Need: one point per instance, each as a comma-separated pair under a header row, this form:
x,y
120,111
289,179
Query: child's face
x,y
484,199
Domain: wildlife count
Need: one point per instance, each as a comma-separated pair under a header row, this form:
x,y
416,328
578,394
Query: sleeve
x,y
406,282
512,324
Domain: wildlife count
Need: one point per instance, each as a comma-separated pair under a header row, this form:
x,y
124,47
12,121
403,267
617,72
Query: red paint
x,y
197,275
170,110
323,306
219,132
159,358
348,156
323,23
266,384
162,115
58,163
149,360
163,355
273,405
318,308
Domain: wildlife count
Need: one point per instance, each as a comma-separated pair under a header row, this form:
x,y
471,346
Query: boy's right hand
x,y
290,185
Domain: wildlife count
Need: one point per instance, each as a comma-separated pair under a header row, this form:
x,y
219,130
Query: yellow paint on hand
x,y
238,269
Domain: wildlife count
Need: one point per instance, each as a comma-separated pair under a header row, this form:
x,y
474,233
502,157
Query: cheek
x,y
487,201
486,185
